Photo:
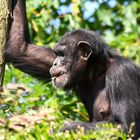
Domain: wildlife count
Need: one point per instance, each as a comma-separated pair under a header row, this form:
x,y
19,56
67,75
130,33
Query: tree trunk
x,y
5,12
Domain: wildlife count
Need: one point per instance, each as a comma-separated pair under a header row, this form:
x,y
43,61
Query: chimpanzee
x,y
107,84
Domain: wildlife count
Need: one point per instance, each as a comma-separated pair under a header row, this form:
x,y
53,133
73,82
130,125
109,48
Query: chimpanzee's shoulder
x,y
121,66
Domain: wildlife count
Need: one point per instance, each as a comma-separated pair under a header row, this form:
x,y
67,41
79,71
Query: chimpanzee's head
x,y
73,53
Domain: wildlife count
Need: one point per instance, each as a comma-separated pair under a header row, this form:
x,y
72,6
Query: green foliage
x,y
43,132
118,23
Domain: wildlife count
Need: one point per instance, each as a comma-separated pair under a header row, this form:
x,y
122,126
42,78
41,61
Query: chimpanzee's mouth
x,y
58,76
59,81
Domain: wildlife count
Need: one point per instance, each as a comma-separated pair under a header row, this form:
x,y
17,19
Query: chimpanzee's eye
x,y
59,53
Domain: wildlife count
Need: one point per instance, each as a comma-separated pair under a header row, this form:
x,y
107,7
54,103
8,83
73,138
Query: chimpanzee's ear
x,y
85,49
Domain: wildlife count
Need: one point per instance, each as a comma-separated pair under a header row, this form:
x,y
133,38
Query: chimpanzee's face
x,y
70,64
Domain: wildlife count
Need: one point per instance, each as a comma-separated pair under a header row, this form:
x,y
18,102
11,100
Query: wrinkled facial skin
x,y
69,67
59,72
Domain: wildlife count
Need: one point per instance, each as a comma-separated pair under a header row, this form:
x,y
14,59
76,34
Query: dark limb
x,y
73,126
27,57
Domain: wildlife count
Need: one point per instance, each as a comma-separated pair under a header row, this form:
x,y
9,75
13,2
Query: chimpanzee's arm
x,y
27,57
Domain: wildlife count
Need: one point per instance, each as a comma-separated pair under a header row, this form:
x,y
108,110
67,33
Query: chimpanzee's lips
x,y
56,75
60,80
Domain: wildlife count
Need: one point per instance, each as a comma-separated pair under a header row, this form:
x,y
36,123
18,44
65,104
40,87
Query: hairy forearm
x,y
35,61
27,57
19,34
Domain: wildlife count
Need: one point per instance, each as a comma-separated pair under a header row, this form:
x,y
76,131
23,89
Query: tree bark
x,y
5,12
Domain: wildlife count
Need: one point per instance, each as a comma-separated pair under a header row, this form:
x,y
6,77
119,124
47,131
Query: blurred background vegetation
x,y
116,20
